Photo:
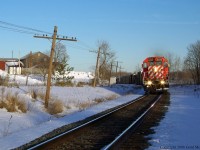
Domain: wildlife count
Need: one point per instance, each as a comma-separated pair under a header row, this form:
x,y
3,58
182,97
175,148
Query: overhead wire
x,y
78,47
16,30
23,27
86,45
27,30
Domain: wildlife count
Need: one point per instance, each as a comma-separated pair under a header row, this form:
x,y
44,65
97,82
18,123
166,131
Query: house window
x,y
38,54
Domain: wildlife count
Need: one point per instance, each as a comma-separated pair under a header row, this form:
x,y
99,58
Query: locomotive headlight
x,y
162,82
149,82
155,69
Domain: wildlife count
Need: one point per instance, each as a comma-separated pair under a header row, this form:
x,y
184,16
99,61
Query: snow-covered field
x,y
180,127
24,127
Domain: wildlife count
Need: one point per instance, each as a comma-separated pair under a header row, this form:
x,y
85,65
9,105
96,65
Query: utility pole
x,y
117,66
97,68
54,38
97,65
30,59
110,72
120,68
19,65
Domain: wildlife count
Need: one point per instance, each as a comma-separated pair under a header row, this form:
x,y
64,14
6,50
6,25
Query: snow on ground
x,y
180,129
36,122
81,76
17,128
20,79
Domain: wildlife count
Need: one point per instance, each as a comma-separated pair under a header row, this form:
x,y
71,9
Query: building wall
x,y
14,70
36,59
2,65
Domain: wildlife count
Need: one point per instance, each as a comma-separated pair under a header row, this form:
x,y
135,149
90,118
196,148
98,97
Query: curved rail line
x,y
131,126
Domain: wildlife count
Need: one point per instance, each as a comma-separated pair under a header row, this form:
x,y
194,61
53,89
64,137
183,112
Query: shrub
x,y
1,104
22,106
98,100
55,107
80,84
10,102
13,104
4,80
84,105
64,83
111,97
34,94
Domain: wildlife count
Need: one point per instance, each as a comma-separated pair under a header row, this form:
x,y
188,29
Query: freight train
x,y
154,75
135,78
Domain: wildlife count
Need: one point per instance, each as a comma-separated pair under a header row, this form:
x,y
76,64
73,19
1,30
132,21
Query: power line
x,y
27,30
78,47
23,27
86,45
16,30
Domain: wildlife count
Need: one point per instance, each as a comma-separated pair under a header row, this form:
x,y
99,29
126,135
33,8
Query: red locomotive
x,y
155,73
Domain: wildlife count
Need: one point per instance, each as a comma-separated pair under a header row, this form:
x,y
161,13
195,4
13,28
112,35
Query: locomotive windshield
x,y
158,63
151,63
144,65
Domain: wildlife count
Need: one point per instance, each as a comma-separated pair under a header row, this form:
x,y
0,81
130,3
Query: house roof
x,y
9,59
10,64
26,56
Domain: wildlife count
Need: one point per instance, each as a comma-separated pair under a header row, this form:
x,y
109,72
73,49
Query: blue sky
x,y
135,29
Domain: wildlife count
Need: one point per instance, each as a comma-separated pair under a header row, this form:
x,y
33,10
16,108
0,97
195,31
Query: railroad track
x,y
105,131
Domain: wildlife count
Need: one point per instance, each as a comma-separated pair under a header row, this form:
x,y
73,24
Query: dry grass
x,y
2,104
81,84
13,104
10,102
34,94
4,80
111,97
55,107
41,95
22,106
84,105
64,83
98,100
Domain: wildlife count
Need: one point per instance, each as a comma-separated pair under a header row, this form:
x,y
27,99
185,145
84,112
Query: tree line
x,y
185,70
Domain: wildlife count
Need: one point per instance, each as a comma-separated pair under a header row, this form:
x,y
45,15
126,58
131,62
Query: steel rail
x,y
132,125
87,123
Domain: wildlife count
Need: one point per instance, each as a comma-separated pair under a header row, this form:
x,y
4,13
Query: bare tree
x,y
60,63
192,61
177,68
43,69
106,58
138,68
60,54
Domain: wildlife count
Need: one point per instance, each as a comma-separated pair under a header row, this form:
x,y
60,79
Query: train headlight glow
x,y
149,82
162,82
155,69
